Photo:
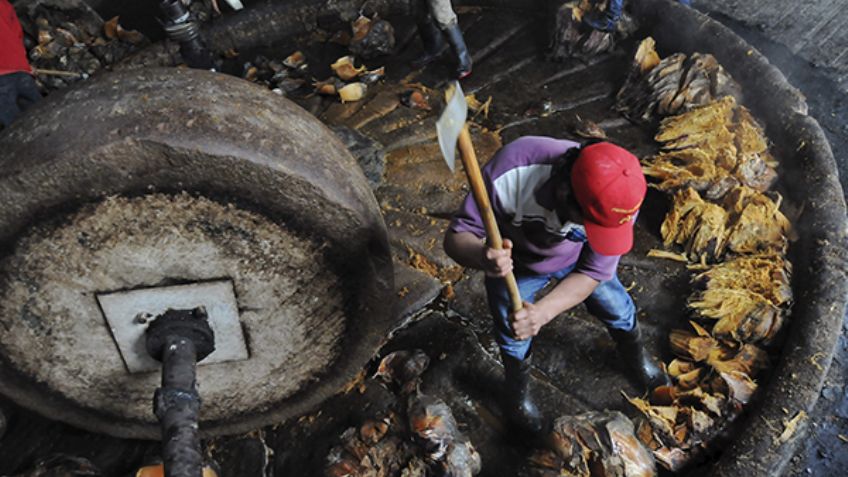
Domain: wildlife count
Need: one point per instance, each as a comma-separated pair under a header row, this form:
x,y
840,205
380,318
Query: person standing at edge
x,y
608,19
17,86
435,17
566,213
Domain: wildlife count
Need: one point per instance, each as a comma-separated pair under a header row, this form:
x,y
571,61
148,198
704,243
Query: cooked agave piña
x,y
345,69
592,444
710,145
696,224
766,274
352,92
672,85
742,314
757,225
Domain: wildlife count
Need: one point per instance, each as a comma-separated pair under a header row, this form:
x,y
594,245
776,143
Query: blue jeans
x,y
610,303
17,92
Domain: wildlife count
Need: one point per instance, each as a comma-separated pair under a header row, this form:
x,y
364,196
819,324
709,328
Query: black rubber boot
x,y
434,43
518,403
631,348
463,59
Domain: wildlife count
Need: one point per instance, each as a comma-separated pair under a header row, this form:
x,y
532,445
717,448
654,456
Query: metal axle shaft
x,y
179,339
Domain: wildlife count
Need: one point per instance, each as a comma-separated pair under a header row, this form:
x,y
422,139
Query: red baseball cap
x,y
609,186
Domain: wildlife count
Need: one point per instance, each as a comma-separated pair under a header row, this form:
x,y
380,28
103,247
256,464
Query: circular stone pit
x,y
184,177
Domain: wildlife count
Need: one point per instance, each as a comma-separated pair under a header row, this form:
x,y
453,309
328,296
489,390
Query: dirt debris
x,y
421,437
416,99
355,384
589,129
790,427
593,444
478,107
677,257
70,43
446,275
284,77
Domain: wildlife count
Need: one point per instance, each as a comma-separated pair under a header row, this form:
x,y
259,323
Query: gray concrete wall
x,y
816,30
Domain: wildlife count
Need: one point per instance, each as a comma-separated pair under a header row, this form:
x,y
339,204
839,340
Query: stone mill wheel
x,y
183,188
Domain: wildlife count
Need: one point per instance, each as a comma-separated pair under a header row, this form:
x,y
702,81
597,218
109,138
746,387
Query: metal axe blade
x,y
235,4
450,124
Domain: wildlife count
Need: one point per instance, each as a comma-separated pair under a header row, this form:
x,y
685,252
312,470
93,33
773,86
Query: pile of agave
x,y
715,163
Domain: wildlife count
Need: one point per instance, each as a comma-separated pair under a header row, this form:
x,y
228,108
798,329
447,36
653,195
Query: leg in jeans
x,y
445,17
431,36
611,304
518,403
9,109
500,307
27,91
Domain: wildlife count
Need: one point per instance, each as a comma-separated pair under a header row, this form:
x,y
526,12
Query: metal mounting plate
x,y
129,312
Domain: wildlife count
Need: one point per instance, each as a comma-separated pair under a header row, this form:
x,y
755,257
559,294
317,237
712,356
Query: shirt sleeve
x,y
468,219
596,266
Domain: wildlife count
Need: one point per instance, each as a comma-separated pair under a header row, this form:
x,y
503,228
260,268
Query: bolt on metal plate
x,y
129,312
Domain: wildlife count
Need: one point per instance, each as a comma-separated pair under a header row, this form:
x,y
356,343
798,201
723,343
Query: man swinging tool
x,y
566,213
435,17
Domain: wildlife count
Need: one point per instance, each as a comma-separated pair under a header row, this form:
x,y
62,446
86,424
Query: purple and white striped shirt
x,y
518,179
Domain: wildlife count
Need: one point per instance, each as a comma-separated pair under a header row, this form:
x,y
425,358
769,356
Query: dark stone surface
x,y
32,438
242,456
367,152
813,31
414,290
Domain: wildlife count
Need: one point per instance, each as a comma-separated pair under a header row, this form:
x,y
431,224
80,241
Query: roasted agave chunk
x,y
592,444
742,315
662,87
757,225
747,295
765,274
697,224
709,148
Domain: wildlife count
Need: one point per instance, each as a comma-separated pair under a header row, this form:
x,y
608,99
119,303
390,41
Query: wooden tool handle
x,y
481,197
69,74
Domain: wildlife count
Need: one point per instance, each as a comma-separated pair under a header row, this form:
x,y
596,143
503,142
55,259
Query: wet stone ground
x,y
441,307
